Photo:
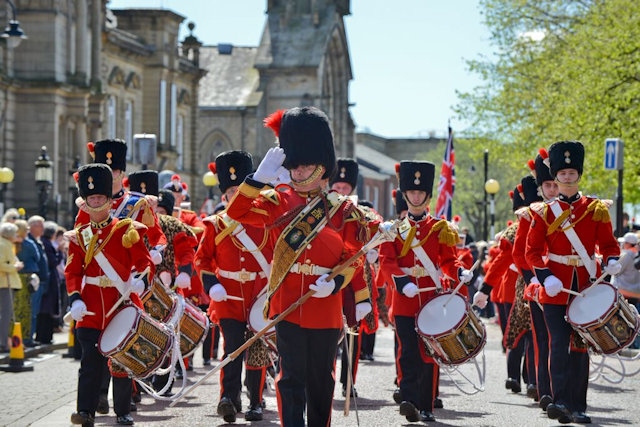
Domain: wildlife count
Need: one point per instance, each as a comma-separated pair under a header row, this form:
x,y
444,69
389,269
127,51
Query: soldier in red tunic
x,y
415,260
313,232
233,261
571,227
102,254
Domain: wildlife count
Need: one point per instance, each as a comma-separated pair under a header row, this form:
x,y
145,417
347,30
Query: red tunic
x,y
228,255
122,256
341,238
590,219
442,255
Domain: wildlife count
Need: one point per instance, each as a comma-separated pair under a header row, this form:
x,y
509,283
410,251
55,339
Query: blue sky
x,y
407,56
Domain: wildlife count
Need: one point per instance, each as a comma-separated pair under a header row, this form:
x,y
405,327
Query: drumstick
x,y
569,291
235,298
122,299
385,235
455,291
67,317
433,288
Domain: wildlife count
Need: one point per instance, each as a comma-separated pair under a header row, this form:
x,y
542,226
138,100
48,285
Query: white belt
x,y
240,276
572,260
309,269
101,281
416,271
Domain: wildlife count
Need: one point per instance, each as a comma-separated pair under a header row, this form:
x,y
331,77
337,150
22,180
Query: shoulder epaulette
x,y
272,195
447,234
523,213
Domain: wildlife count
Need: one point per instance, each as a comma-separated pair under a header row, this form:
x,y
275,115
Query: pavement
x,y
60,341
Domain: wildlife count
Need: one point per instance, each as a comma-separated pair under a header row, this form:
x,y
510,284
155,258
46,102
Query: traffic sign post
x,y
614,160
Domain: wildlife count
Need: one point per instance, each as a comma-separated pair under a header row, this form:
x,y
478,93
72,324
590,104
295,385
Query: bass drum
x,y
193,325
453,334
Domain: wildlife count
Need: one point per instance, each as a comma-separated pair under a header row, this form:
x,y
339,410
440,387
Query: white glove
x,y
78,309
466,276
269,168
284,176
156,256
480,299
362,309
34,281
137,286
410,290
552,286
183,280
322,287
372,256
218,293
613,267
165,278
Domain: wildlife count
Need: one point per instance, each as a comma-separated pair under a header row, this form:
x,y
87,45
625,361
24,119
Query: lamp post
x,y
73,189
6,176
44,179
491,186
209,180
485,218
13,34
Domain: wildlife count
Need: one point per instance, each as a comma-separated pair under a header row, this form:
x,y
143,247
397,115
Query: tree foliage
x,y
562,70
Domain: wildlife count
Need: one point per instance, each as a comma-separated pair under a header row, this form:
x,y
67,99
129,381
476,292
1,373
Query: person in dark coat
x,y
49,305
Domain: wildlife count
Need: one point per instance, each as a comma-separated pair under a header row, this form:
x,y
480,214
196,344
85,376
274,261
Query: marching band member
x,y
572,226
548,190
314,232
357,292
415,260
102,253
233,261
189,217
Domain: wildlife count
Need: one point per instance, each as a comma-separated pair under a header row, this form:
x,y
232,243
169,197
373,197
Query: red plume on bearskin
x,y
511,194
125,182
76,176
520,191
185,187
92,149
273,121
509,223
457,219
545,156
212,167
532,167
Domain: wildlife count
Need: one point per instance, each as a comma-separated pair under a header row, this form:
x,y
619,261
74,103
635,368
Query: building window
x,y
180,141
173,115
128,128
111,117
163,112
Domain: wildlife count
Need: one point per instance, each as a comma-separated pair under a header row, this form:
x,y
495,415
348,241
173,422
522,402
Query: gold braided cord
x,y
600,214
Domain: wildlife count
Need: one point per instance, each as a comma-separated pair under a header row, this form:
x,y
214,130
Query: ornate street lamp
x,y
73,190
6,177
210,180
44,180
492,187
13,34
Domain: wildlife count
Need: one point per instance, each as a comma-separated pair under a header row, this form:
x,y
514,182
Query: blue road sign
x,y
613,154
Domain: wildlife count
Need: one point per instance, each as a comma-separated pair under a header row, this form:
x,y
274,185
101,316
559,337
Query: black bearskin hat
x,y
232,167
530,190
417,175
566,155
166,200
94,178
111,152
144,182
347,171
399,202
305,136
542,167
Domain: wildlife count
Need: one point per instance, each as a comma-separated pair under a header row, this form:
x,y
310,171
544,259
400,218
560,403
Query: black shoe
x,y
132,406
427,416
397,396
557,411
253,414
207,362
82,418
136,396
179,375
354,393
125,420
227,410
513,385
545,401
532,391
103,404
410,412
581,418
437,403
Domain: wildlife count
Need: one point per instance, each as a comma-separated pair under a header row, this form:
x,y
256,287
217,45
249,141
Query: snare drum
x,y
159,301
257,322
603,318
135,340
194,325
453,333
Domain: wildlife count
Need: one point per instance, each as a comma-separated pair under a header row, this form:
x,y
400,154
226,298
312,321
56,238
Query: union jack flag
x,y
447,183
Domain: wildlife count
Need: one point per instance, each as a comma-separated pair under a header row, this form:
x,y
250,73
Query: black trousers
x,y
306,377
541,343
569,370
231,375
416,377
368,342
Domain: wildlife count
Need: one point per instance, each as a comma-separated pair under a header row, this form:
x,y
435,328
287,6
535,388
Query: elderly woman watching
x,y
9,280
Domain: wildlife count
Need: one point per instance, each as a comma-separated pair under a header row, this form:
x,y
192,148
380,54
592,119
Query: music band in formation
x,y
294,270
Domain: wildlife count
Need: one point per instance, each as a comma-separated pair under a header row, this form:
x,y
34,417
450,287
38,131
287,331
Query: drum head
x,y
595,304
118,329
256,319
435,319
